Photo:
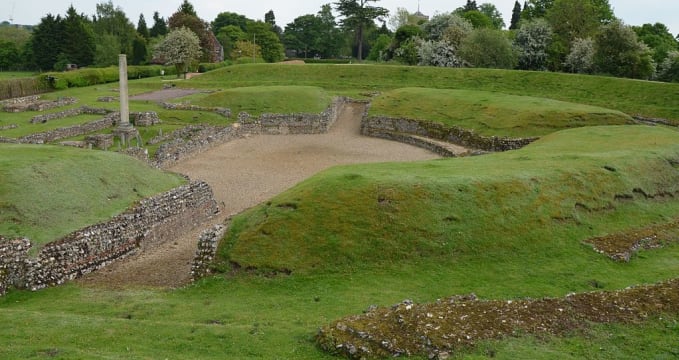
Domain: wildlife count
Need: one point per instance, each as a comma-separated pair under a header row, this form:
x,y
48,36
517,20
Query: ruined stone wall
x,y
198,138
153,221
32,103
393,128
71,131
207,251
38,119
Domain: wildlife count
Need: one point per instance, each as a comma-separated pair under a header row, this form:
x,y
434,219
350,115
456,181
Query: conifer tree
x,y
142,29
516,16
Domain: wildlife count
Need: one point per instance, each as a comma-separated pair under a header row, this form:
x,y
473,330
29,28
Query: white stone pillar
x,y
124,96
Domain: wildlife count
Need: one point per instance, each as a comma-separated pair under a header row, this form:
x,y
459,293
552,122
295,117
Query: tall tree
x,y
358,14
159,26
229,18
535,9
208,42
532,42
332,40
187,8
304,35
270,18
113,20
142,29
78,44
619,52
658,37
46,41
471,6
264,36
516,16
493,14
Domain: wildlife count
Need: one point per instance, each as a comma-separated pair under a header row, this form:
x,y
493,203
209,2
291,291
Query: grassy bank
x,y
629,96
47,192
492,114
269,99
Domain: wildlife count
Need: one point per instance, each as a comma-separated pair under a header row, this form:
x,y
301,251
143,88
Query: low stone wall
x,y
20,100
219,110
61,133
653,121
145,119
207,250
35,104
198,138
153,221
391,128
41,119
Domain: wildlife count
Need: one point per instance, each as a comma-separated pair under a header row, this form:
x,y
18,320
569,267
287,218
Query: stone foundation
x,y
393,128
153,221
33,103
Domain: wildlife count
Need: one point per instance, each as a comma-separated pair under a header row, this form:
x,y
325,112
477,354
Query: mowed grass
x,y
269,99
460,209
492,114
652,99
48,191
15,74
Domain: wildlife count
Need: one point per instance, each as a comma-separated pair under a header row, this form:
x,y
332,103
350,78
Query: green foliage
x,y
449,27
224,19
488,48
493,14
409,52
107,50
658,38
12,88
313,35
516,16
159,26
112,20
9,56
669,68
142,28
46,40
478,19
270,44
492,114
139,51
74,189
581,58
77,43
180,48
619,53
18,35
357,16
532,42
380,49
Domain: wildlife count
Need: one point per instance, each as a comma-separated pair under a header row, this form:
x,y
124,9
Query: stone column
x,y
125,130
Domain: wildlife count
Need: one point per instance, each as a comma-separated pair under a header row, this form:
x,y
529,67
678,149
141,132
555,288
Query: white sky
x,y
29,12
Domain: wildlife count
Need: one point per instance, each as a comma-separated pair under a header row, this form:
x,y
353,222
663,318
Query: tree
x,y
477,19
107,50
658,37
142,29
439,53
451,28
304,35
113,21
228,36
408,53
182,18
139,51
358,14
18,35
493,14
581,58
516,16
159,26
187,8
620,53
229,18
180,48
270,18
380,49
535,9
532,42
669,69
488,48
264,36
77,43
9,56
471,6
405,33
46,41
332,40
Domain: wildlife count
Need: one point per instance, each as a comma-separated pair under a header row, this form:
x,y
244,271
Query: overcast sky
x,y
29,12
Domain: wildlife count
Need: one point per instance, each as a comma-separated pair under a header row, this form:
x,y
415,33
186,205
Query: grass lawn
x,y
49,191
503,226
492,114
15,74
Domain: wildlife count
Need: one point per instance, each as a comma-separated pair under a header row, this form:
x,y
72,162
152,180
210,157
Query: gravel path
x,y
246,172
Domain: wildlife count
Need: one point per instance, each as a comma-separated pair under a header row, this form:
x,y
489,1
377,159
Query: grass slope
x,y
492,114
269,99
629,96
47,192
460,209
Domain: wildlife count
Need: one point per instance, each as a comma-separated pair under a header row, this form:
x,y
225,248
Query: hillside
x,y
49,191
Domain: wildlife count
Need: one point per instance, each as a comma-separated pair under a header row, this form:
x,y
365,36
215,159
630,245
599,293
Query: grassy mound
x,y
269,99
632,97
47,192
493,114
470,208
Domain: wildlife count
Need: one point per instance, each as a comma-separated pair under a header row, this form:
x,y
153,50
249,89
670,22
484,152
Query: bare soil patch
x,y
246,172
622,246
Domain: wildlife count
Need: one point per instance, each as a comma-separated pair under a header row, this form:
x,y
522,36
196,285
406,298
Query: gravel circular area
x,y
246,172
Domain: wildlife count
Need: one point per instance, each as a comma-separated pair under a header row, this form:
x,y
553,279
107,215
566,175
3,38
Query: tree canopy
x,y
358,14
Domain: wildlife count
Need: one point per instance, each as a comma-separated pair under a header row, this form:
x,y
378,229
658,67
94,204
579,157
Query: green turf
x,y
48,191
632,97
492,114
269,99
15,74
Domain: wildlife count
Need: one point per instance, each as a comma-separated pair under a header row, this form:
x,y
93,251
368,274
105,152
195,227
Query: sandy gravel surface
x,y
246,172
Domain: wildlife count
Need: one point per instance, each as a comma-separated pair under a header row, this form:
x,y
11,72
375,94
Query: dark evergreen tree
x,y
159,26
46,41
359,15
516,16
139,50
77,43
471,6
270,18
142,29
187,8
229,18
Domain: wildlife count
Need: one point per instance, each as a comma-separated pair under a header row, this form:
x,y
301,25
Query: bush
x,y
669,69
487,48
205,67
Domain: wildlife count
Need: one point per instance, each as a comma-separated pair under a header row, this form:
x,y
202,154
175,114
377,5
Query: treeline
x,y
579,36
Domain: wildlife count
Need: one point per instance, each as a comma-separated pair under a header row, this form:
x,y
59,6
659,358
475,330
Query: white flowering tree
x,y
180,48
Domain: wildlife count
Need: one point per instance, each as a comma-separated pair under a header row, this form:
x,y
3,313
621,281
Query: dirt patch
x,y
439,329
246,172
622,246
